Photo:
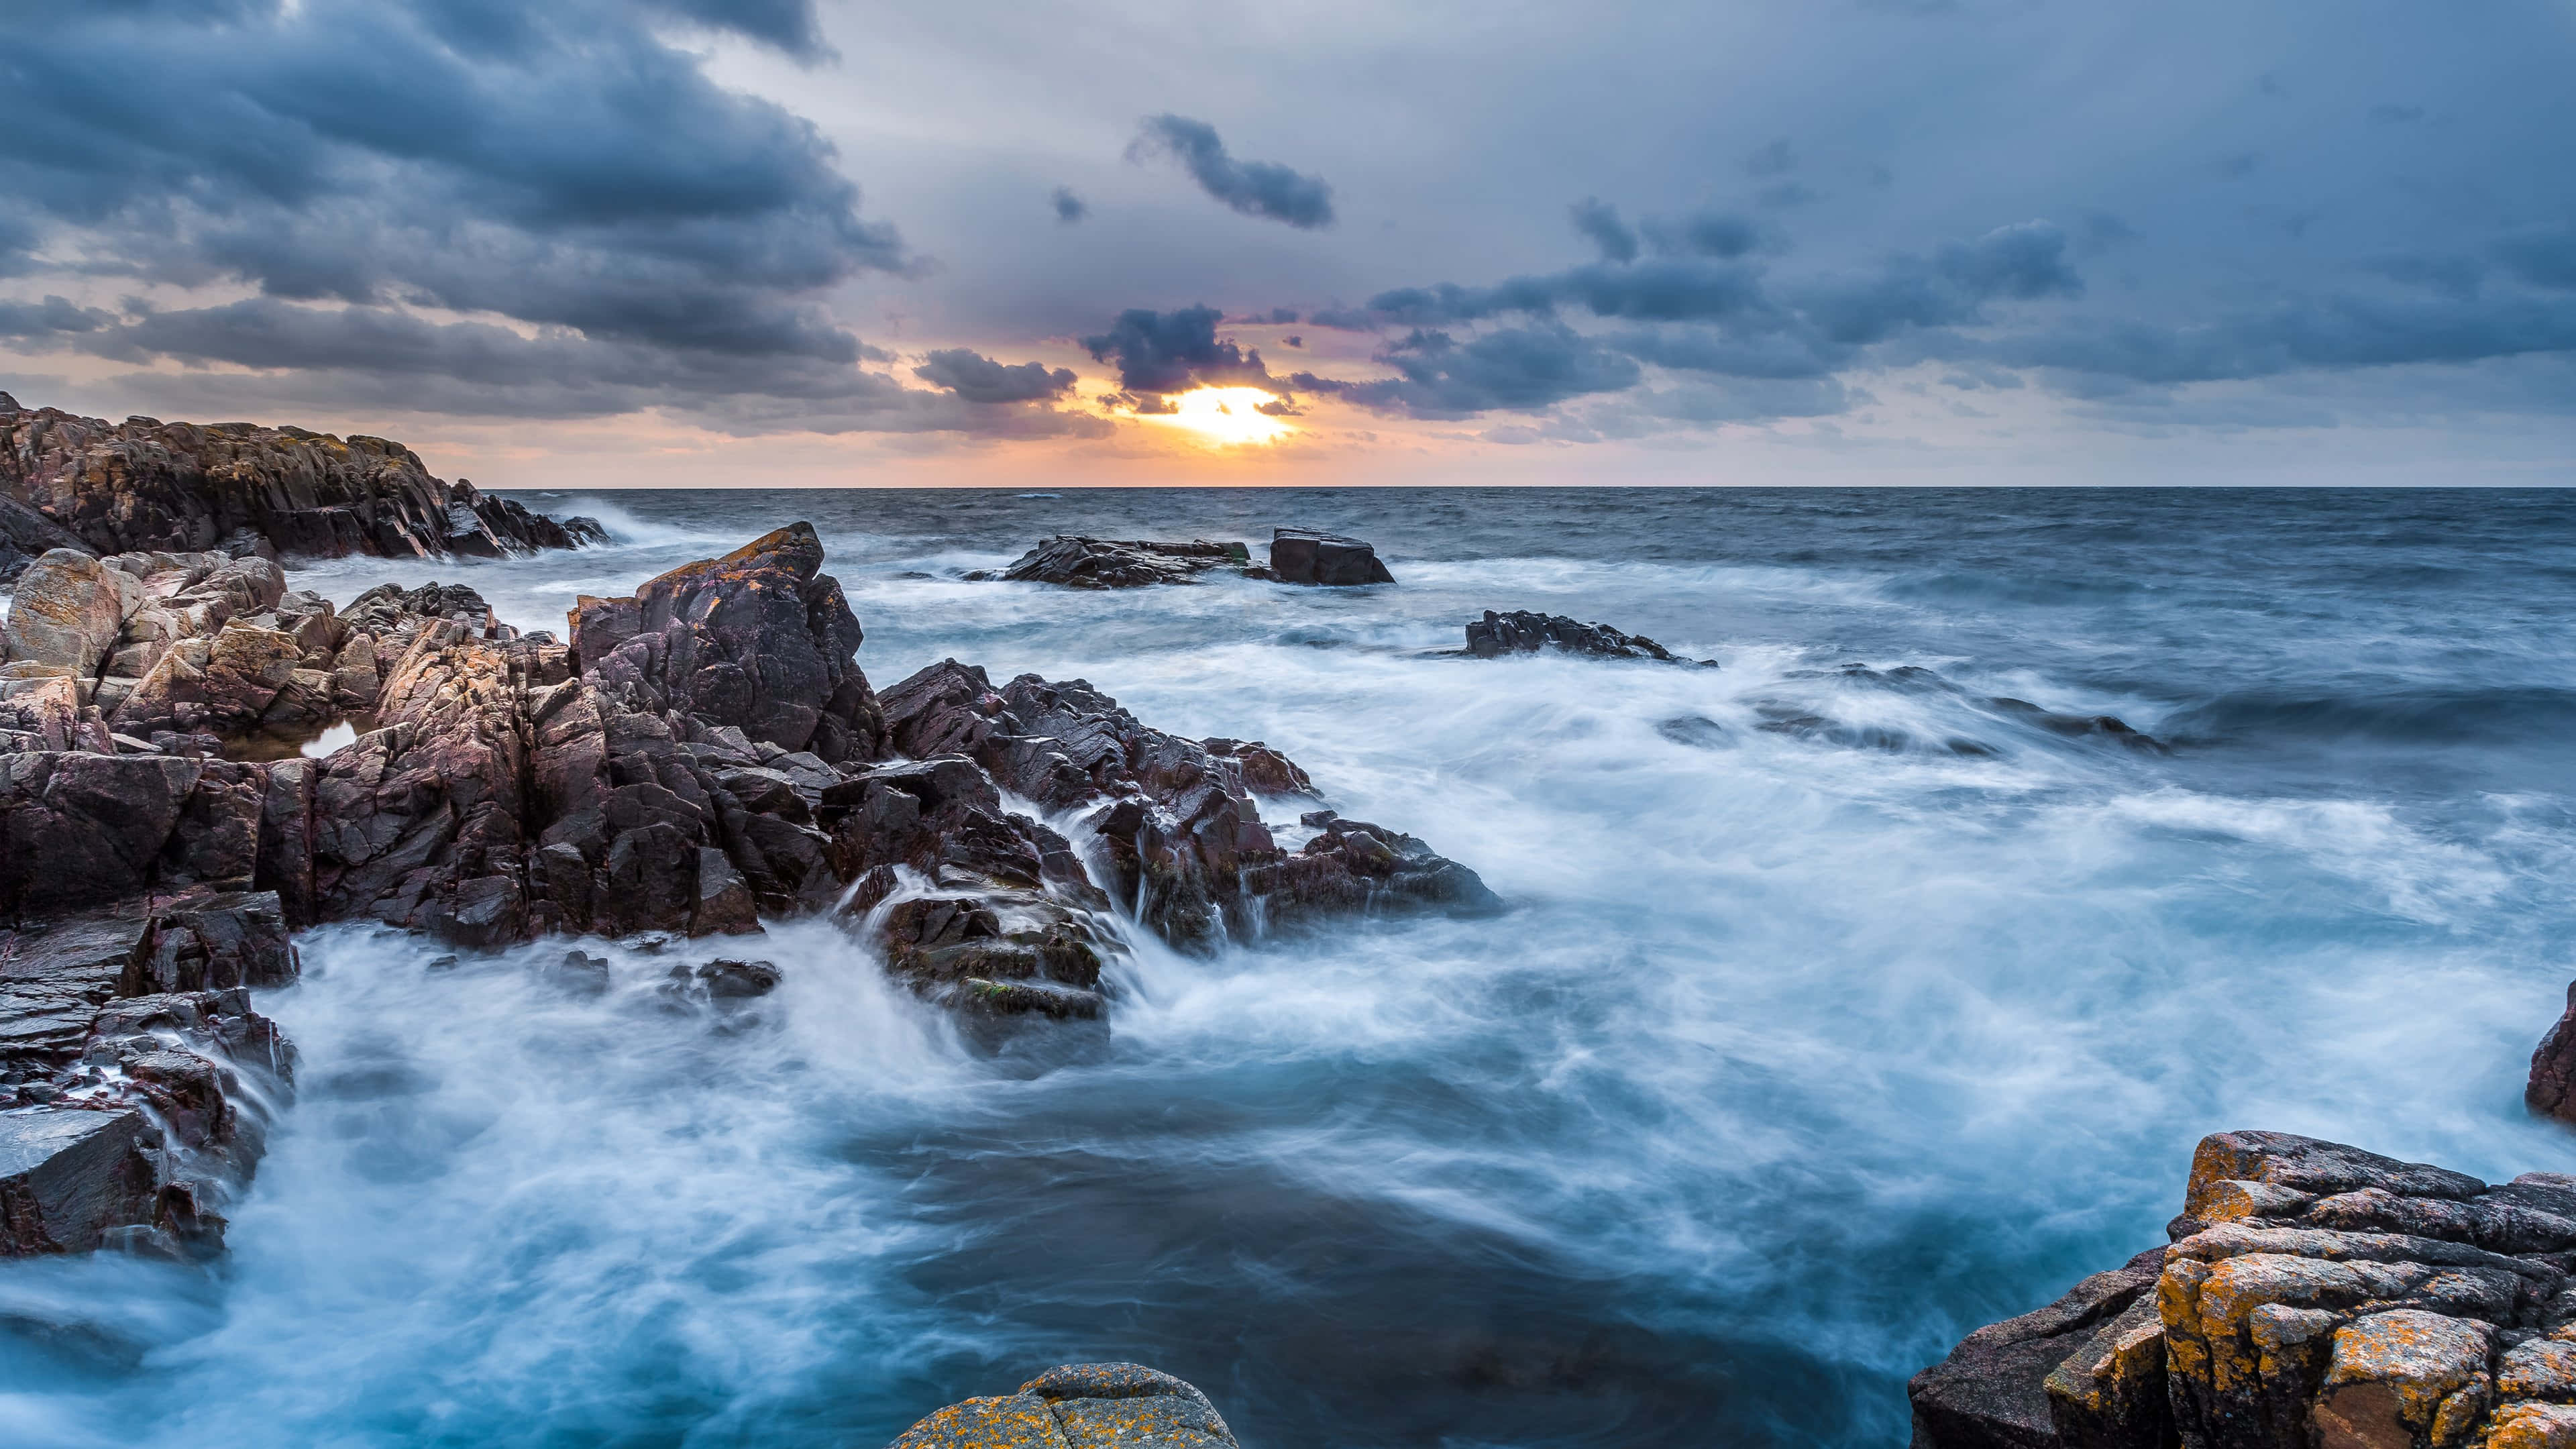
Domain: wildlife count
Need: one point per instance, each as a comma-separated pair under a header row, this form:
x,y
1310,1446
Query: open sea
x,y
1837,1013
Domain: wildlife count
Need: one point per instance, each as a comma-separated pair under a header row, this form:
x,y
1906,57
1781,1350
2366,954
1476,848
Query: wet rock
x,y
578,971
1100,563
1080,1406
1303,556
2316,1295
728,980
144,485
69,1176
2551,1091
1523,632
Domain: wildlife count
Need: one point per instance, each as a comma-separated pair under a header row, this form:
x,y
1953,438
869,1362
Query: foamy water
x,y
1799,1055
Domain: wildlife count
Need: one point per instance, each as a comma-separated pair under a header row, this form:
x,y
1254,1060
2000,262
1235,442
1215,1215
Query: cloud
x,y
979,379
2328,333
1600,221
1168,352
1775,159
1522,369
1069,208
560,166
2389,113
1255,188
2544,257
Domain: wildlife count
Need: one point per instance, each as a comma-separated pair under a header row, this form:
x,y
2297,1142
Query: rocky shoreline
x,y
688,761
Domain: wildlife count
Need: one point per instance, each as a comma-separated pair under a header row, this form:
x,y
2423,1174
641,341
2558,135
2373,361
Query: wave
x,y
2496,715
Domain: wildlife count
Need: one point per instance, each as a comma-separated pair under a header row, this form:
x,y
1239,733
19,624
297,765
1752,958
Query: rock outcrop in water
x,y
2314,1296
702,754
148,486
1080,1406
1303,556
1523,632
2551,1091
1102,563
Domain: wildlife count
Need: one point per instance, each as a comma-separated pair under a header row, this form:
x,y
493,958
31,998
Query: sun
x,y
1224,416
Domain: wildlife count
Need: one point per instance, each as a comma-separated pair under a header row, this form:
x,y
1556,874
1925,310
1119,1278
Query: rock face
x,y
1100,563
2552,1090
1303,556
135,1079
145,485
1080,1406
26,535
1178,823
2315,1296
1522,632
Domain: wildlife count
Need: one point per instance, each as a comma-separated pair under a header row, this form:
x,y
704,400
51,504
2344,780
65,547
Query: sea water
x,y
1832,1017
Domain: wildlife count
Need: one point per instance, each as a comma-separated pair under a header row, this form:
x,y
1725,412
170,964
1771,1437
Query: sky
x,y
806,242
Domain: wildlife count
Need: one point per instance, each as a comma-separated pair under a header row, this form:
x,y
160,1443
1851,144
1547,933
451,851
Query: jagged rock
x,y
2316,1295
738,980
26,535
83,829
1080,1406
221,686
759,640
68,1176
145,484
1184,837
1522,632
1101,563
1303,556
2552,1088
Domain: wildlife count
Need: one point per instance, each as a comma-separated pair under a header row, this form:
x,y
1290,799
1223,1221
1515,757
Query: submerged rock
x,y
1303,556
2314,1295
1101,563
1523,632
1080,1406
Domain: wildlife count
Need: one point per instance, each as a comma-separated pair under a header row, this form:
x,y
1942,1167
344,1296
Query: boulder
x,y
1522,632
69,1176
1100,563
2316,1296
1303,556
1080,1406
68,610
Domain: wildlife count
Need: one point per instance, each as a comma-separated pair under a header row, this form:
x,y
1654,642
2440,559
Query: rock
x,y
1302,556
1522,632
1099,563
759,640
68,610
2316,1297
1080,1406
1178,823
738,980
68,1176
2552,1089
26,535
221,686
145,485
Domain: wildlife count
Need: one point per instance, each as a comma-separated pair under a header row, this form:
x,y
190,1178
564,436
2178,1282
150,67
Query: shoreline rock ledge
x,y
1080,1406
144,485
2313,1296
703,755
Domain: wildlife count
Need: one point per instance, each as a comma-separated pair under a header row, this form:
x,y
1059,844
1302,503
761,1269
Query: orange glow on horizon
x,y
1223,417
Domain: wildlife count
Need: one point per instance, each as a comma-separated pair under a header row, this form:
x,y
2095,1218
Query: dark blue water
x,y
1806,1049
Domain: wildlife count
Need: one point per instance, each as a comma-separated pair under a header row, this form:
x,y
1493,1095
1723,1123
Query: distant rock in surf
x,y
146,485
1524,632
1080,1406
2551,1090
2313,1294
1101,563
1802,720
1303,556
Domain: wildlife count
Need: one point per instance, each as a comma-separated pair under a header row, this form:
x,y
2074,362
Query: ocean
x,y
1837,1013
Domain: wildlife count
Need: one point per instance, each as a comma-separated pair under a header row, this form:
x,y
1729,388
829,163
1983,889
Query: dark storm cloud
x,y
1255,188
979,379
562,166
1707,234
1521,369
2543,258
1069,208
1168,352
2330,333
1600,221
42,320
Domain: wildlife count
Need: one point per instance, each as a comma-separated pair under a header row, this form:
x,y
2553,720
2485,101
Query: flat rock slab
x,y
1303,556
